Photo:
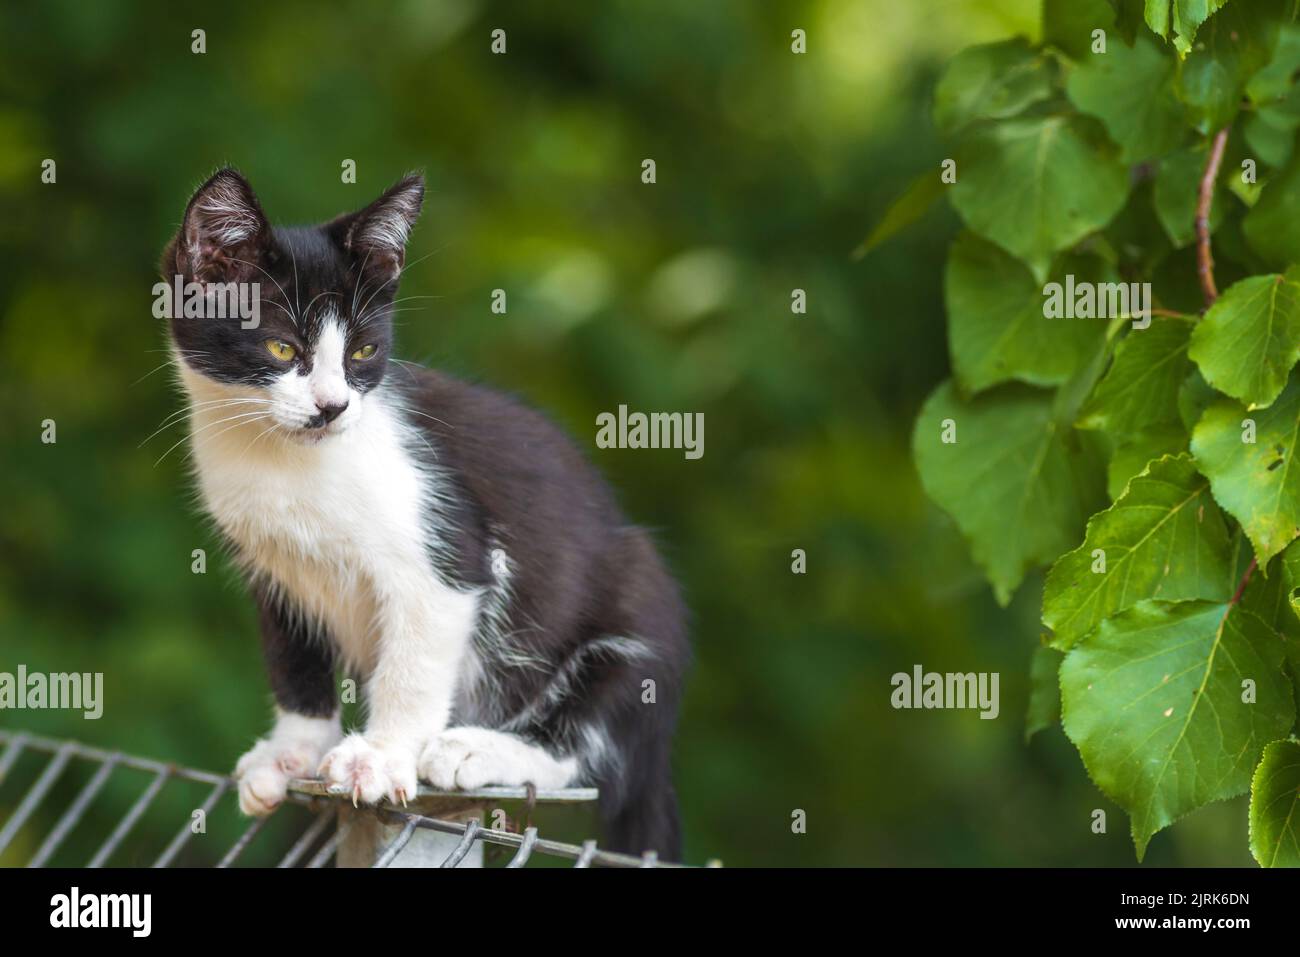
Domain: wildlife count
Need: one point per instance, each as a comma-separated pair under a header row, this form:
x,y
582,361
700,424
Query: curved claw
x,y
401,796
356,795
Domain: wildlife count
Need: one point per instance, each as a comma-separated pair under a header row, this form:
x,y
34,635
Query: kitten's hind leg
x,y
469,758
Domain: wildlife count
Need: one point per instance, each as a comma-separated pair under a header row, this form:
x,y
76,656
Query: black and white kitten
x,y
443,543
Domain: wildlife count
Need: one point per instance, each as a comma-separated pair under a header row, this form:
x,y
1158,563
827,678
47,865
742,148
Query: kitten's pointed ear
x,y
224,230
376,236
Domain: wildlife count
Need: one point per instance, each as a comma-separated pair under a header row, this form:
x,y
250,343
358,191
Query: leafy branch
x,y
1147,465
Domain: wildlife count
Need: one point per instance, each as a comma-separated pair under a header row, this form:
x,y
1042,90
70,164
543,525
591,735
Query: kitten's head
x,y
323,315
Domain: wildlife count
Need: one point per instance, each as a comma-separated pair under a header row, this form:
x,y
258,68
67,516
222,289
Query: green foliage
x,y
1140,389
995,309
1131,90
1256,482
991,82
1275,806
1068,24
1016,482
1272,226
1153,701
1177,182
1163,538
1172,614
1044,691
1037,185
906,210
1179,19
1232,47
1250,338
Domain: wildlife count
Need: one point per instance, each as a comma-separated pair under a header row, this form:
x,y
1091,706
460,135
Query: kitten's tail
x,y
646,820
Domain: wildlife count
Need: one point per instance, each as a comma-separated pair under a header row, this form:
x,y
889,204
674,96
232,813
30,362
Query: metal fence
x,y
332,822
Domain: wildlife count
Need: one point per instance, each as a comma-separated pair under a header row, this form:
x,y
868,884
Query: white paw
x,y
265,771
369,772
469,758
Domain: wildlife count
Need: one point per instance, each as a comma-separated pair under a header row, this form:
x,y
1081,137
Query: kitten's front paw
x,y
370,773
265,771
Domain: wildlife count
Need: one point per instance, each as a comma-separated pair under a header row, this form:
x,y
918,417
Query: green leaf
x,y
1139,241
1270,136
1250,338
1275,80
903,212
1129,18
1235,44
1140,390
1131,90
1211,90
1040,184
1153,701
1194,397
996,328
1163,538
1018,483
1272,226
1138,450
1293,666
1068,24
1177,191
1044,691
1179,18
1072,393
991,81
1275,806
1276,599
1290,559
1257,483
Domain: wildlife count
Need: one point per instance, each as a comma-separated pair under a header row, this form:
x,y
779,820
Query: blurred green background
x,y
772,167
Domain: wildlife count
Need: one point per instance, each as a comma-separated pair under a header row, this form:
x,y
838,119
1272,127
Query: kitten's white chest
x,y
327,523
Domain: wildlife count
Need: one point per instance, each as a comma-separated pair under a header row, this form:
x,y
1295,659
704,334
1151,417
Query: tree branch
x,y
1205,201
1245,580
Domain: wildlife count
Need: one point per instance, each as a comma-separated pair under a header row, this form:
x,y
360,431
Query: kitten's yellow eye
x,y
365,352
280,349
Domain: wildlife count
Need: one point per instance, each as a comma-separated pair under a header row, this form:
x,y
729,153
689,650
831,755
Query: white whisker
x,y
195,434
